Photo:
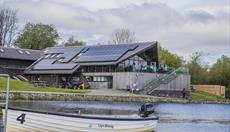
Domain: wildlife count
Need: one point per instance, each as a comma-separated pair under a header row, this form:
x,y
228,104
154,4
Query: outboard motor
x,y
146,110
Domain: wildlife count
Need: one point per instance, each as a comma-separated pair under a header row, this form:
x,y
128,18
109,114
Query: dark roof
x,y
66,60
19,54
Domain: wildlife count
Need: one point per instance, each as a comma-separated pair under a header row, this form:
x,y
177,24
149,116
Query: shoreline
x,y
55,96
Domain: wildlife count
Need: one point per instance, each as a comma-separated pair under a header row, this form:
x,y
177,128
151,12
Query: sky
x,y
181,26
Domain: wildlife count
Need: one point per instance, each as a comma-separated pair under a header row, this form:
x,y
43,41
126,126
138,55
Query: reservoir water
x,y
172,117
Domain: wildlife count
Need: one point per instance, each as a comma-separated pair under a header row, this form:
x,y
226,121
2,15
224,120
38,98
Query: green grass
x,y
204,95
16,85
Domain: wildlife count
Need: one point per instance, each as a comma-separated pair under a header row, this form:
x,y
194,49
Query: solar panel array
x,y
105,53
67,52
48,64
71,56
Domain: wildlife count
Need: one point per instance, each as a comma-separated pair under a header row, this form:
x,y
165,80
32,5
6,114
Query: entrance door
x,y
110,82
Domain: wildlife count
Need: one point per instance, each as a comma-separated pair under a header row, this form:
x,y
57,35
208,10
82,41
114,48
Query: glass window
x,y
47,56
60,60
20,51
59,55
94,79
52,56
27,52
99,78
102,79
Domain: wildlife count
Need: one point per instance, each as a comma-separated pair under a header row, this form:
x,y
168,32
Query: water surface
x,y
172,117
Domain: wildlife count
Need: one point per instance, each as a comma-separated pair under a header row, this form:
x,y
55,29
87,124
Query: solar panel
x,y
67,52
47,64
114,47
105,52
98,58
56,67
80,54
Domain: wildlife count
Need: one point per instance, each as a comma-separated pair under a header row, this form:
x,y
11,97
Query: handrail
x,y
149,88
7,100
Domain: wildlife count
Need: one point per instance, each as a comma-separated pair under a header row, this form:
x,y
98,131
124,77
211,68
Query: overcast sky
x,y
181,26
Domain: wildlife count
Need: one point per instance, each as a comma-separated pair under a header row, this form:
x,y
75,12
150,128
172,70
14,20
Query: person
x,y
134,67
134,87
193,89
184,92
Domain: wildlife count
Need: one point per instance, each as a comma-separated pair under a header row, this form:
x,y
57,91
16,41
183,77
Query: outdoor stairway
x,y
151,86
21,78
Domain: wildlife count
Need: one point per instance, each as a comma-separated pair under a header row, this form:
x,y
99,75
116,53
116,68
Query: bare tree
x,y
123,35
8,26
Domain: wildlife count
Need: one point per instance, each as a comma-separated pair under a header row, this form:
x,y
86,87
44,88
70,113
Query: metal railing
x,y
7,100
150,87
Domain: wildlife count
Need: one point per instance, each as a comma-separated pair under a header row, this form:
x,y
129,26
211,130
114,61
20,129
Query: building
x,y
123,66
212,89
15,60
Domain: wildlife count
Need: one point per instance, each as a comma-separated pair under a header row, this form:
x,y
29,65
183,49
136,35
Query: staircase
x,y
151,86
22,78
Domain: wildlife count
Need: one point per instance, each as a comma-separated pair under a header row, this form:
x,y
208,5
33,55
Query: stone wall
x,y
105,98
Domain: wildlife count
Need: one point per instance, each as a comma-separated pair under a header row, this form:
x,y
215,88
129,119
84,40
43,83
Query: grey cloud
x,y
181,31
201,16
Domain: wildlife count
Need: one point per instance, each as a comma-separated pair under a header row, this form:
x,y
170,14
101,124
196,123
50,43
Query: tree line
x,y
40,36
201,73
36,36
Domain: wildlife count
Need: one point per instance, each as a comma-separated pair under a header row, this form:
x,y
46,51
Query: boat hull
x,y
30,121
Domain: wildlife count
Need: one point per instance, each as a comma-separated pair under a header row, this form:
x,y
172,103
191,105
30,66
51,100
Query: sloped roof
x,y
19,54
66,60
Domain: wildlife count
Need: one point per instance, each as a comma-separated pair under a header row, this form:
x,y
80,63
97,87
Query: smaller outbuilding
x,y
212,89
15,60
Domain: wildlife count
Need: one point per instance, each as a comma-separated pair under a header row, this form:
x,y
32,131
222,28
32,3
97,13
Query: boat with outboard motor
x,y
22,120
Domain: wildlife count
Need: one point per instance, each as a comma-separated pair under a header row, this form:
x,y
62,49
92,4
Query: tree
x,y
172,60
37,36
220,73
8,21
198,71
72,42
123,35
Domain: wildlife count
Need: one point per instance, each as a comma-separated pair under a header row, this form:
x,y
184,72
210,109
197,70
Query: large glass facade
x,y
133,64
109,68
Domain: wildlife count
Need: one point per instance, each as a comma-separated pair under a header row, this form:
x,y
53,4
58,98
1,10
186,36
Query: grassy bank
x,y
204,95
16,85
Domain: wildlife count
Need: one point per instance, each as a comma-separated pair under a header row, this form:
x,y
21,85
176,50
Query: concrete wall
x,y
213,89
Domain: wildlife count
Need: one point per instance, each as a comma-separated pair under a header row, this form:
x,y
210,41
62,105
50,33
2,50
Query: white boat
x,y
27,120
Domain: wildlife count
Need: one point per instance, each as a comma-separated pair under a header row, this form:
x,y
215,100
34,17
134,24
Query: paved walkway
x,y
112,92
107,92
